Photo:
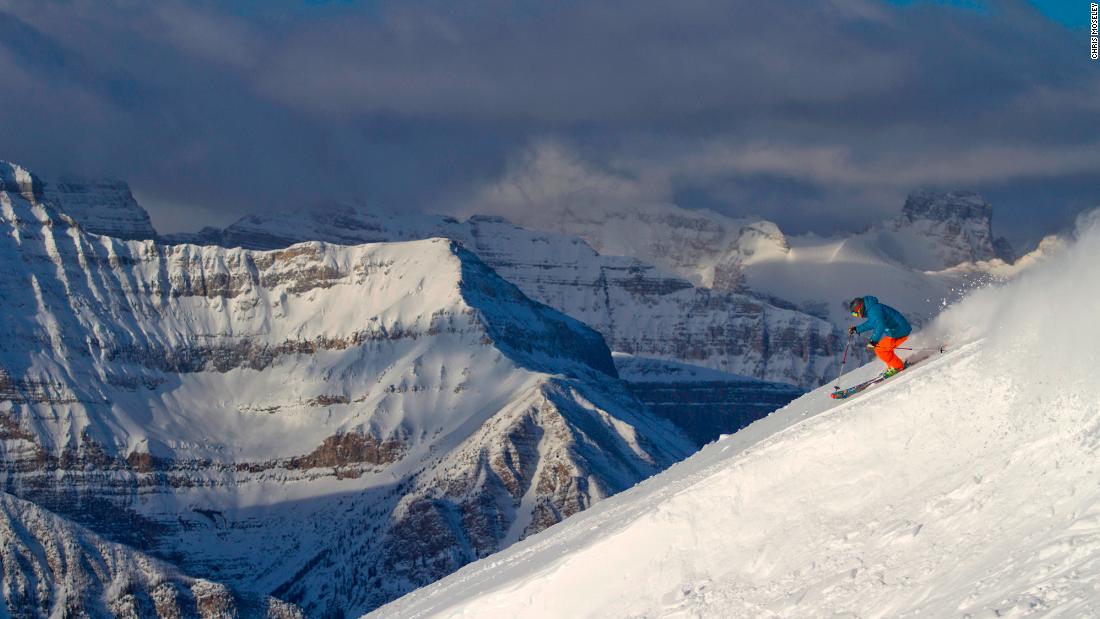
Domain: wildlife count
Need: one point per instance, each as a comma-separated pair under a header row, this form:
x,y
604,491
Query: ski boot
x,y
892,371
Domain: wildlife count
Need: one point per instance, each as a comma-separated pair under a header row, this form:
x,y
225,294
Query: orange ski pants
x,y
885,351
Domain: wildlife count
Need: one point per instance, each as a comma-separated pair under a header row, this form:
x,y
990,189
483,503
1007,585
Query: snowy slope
x,y
966,486
300,421
639,309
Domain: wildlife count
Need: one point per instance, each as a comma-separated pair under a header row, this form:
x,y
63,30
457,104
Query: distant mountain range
x,y
941,245
686,261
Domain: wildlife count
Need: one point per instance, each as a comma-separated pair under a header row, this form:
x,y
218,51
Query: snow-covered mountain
x,y
964,487
939,247
330,425
50,567
639,309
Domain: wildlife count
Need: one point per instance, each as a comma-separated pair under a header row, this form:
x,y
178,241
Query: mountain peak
x,y
960,225
17,179
946,206
100,206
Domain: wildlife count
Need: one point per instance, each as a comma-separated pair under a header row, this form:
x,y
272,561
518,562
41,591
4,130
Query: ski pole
x,y
843,360
938,349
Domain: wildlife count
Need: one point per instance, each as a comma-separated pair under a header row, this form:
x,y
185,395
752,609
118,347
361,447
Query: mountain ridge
x,y
947,232
639,309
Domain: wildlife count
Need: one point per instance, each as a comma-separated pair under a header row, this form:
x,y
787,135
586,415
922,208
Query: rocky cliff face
x,y
302,421
957,227
101,207
639,309
704,403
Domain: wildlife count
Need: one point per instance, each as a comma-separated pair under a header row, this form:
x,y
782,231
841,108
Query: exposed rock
x,y
101,207
17,180
213,600
946,206
703,403
957,227
527,468
351,448
1003,250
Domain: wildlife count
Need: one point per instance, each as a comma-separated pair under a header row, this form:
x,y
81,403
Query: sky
x,y
821,115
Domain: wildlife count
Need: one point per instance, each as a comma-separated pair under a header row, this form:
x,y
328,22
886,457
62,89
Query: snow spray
x,y
1049,316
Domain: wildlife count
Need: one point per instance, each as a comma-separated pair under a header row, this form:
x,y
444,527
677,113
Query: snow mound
x,y
965,487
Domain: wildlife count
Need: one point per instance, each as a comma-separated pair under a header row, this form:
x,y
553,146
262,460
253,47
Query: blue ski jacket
x,y
883,320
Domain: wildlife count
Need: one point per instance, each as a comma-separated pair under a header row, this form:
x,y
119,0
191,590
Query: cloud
x,y
217,38
579,62
821,115
775,180
838,166
549,179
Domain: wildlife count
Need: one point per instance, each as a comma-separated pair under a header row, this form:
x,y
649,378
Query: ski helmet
x,y
856,307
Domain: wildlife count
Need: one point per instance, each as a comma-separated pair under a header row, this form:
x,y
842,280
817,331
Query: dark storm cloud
x,y
818,116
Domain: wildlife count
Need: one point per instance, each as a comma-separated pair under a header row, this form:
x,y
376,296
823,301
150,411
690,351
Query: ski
x,y
925,353
840,394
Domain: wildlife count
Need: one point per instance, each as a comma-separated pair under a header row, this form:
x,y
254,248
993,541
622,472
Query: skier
x,y
888,330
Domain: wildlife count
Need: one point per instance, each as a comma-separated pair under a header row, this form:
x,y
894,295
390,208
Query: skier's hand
x,y
851,330
872,345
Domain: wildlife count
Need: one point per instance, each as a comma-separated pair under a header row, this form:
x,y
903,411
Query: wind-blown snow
x,y
965,487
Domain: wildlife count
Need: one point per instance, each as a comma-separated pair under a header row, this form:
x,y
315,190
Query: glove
x,y
851,330
872,345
